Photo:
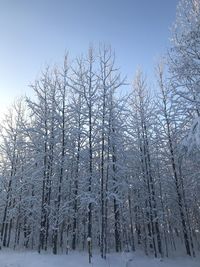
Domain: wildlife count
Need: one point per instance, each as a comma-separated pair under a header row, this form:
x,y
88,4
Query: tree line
x,y
85,166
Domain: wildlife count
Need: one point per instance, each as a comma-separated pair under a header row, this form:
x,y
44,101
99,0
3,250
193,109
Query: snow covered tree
x,y
184,57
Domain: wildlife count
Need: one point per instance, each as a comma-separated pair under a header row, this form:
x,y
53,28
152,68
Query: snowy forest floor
x,y
9,258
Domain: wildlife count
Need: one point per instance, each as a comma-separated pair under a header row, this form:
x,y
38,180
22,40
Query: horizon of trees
x,y
85,167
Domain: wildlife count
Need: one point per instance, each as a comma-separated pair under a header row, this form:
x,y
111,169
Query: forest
x,y
92,162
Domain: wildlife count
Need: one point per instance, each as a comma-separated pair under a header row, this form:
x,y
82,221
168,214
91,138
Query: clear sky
x,y
34,33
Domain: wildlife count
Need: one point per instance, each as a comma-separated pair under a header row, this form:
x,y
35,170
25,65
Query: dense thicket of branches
x,y
85,167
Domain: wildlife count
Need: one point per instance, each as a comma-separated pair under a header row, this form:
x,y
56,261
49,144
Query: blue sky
x,y
34,33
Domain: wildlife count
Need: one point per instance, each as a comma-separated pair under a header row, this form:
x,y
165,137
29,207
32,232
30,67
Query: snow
x,y
9,258
193,138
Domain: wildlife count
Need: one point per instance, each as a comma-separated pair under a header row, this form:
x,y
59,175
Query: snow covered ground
x,y
33,259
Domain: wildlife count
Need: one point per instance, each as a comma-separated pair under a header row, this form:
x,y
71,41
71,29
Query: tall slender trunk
x,y
102,245
131,221
43,204
74,225
63,149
